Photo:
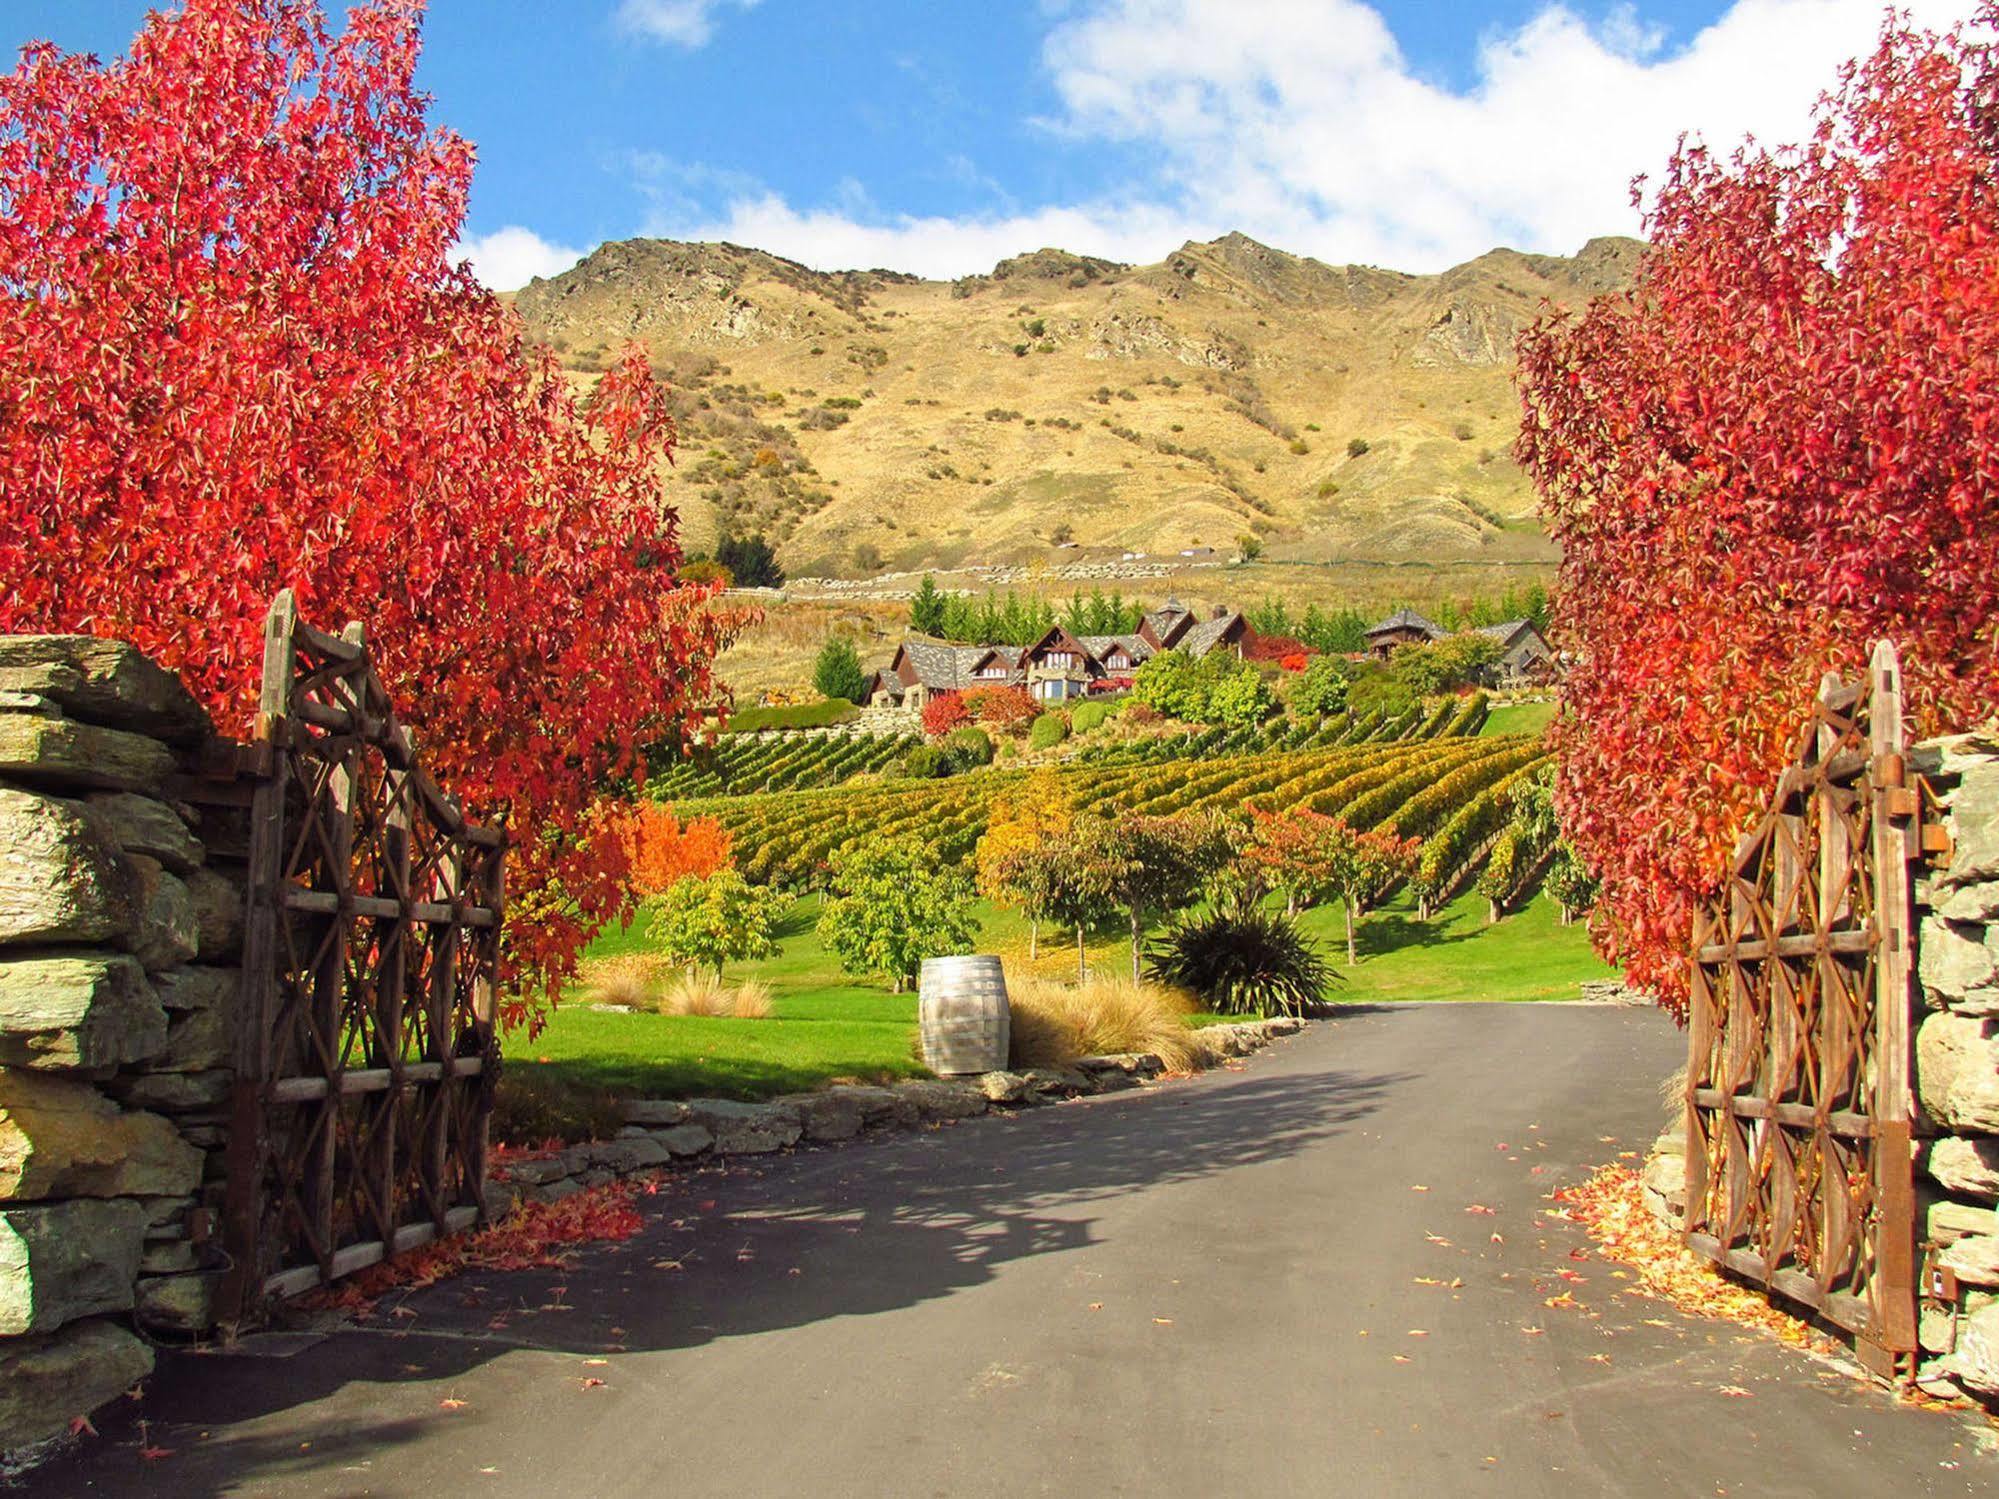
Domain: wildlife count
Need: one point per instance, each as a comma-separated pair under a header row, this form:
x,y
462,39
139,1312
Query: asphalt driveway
x,y
1261,1281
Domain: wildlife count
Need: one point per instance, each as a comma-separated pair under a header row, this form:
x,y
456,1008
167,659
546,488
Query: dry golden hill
x,y
870,420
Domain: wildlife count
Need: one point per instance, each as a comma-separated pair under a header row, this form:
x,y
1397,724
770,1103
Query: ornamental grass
x,y
1054,1023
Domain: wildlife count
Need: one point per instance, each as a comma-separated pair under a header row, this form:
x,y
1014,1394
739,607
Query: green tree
x,y
837,672
1154,865
704,922
1445,665
891,905
1250,545
926,610
1359,866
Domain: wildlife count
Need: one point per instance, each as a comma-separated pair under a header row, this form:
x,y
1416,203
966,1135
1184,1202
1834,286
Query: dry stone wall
x,y
121,903
1957,1066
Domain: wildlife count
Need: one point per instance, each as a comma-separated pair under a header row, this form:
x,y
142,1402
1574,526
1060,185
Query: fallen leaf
x,y
592,1383
1736,1392
1438,1239
450,1404
155,1454
1403,1358
1163,1321
1096,1306
1419,1189
1479,1207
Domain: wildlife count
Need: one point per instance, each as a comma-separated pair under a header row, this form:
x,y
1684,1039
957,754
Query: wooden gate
x,y
1799,1169
366,1056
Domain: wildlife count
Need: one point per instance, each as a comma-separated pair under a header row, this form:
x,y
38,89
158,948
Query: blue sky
x,y
939,135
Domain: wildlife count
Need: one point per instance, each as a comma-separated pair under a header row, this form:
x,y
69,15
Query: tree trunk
x,y
1491,912
1136,938
1082,963
1353,950
1033,938
1291,904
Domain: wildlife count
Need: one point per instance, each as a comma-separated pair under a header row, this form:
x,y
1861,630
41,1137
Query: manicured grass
x,y
829,1025
1518,718
1456,955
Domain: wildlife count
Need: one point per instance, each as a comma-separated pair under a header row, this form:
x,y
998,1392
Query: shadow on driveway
x,y
728,1251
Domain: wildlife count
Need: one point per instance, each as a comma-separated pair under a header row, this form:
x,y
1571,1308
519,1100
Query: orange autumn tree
x,y
1781,444
659,850
236,357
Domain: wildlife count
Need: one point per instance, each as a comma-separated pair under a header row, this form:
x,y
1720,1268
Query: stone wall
x,y
120,919
1957,1066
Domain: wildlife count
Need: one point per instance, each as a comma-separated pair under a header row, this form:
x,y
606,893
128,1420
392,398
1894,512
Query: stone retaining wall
x,y
1955,1073
120,922
659,1132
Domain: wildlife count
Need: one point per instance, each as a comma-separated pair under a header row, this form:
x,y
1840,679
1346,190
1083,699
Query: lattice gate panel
x,y
367,1052
1799,1168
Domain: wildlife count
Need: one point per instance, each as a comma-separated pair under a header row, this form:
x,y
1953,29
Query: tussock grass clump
x,y
700,992
751,1000
635,980
1055,1023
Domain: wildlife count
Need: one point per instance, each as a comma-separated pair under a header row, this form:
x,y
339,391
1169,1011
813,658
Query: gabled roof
x,y
950,668
1209,633
1408,619
1509,630
1101,646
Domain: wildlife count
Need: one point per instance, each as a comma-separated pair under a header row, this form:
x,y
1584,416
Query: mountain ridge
x,y
867,419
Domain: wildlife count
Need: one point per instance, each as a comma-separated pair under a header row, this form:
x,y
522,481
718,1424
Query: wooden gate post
x,y
249,1143
1897,843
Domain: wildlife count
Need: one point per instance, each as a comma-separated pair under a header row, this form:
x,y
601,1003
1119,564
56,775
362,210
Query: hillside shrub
x,y
1321,689
945,712
1049,730
969,748
1086,717
1007,710
1216,689
1775,449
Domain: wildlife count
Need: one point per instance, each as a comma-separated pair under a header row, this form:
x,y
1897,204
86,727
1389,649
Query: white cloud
x,y
509,258
830,239
1302,123
684,23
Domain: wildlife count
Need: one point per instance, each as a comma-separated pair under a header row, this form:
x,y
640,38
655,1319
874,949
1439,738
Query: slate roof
x,y
1101,646
1408,619
1505,631
1206,635
948,668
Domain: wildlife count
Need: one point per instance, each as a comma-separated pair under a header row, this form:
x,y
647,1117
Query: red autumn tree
x,y
1778,446
235,357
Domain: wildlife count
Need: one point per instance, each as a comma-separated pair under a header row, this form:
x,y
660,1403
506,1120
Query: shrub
x,y
944,713
1085,717
751,1001
1241,959
928,762
1049,730
1008,709
1357,447
1053,1024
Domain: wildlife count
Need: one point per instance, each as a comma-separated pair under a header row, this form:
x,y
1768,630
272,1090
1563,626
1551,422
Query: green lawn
x,y
828,1025
1456,955
825,1026
1519,718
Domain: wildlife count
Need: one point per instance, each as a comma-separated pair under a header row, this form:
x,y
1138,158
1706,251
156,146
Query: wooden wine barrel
x,y
964,1017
